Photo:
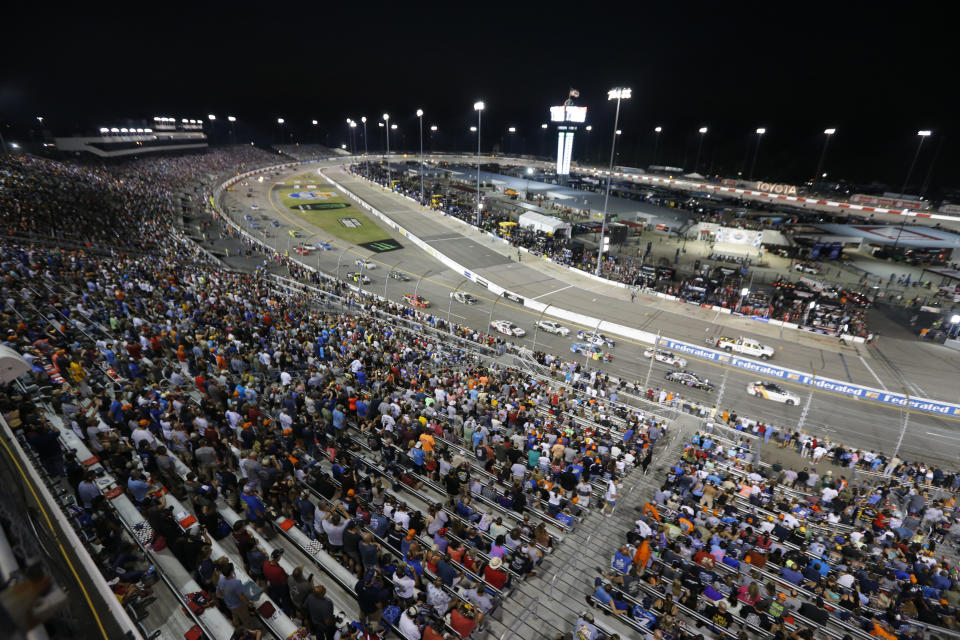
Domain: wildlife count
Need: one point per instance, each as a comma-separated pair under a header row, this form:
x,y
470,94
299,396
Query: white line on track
x,y
939,435
456,316
875,376
554,291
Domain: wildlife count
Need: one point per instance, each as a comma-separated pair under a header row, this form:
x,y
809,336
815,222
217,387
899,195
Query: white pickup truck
x,y
746,346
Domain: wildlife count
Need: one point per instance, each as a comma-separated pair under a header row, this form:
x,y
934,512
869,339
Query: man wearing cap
x,y
276,578
407,624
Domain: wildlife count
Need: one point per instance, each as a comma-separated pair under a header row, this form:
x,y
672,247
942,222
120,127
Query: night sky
x,y
876,73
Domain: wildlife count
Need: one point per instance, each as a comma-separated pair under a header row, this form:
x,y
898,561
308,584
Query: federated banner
x,y
806,379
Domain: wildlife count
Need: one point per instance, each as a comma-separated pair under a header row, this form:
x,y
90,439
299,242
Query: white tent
x,y
540,222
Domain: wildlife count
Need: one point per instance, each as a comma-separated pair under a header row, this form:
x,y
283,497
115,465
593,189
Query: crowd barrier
x,y
925,405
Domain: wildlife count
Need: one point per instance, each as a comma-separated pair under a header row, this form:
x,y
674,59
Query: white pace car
x,y
774,392
507,328
667,357
553,327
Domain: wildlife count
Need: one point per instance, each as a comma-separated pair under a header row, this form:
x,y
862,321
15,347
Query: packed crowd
x,y
832,315
108,207
156,360
747,549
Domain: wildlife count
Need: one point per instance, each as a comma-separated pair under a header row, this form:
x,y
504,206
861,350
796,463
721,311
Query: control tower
x,y
567,119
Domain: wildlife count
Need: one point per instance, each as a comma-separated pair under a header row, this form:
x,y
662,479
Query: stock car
x,y
302,249
595,338
275,223
805,267
667,357
293,232
324,246
399,275
358,277
463,297
689,379
773,392
363,263
248,218
590,351
416,300
553,327
507,328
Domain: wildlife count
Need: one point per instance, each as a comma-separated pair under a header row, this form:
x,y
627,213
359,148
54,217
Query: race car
x,y
302,249
507,328
590,351
594,338
553,327
358,277
463,297
248,218
293,232
399,275
255,207
689,379
668,357
363,263
324,246
275,223
415,300
773,392
804,267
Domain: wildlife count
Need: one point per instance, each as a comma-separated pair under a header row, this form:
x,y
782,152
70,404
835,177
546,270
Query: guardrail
x,y
925,405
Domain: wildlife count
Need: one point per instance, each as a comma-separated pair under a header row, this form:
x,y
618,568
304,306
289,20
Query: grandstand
x,y
259,450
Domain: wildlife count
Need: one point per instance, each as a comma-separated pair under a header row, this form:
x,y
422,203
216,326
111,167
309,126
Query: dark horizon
x,y
874,74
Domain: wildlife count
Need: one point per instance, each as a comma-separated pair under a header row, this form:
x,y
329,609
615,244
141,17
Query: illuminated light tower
x,y
568,118
618,94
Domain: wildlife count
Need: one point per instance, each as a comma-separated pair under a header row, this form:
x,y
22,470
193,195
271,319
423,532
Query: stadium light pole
x,y
420,117
353,136
478,106
922,135
231,120
529,173
827,134
386,126
280,122
656,142
363,119
703,132
618,94
536,327
433,129
416,289
756,152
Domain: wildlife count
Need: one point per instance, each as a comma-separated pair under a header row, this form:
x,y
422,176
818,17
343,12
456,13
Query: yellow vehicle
x,y
511,192
294,233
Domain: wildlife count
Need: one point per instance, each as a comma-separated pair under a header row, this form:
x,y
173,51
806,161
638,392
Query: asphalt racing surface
x,y
853,422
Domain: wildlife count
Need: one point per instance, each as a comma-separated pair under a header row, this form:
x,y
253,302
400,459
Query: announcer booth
x,y
567,119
